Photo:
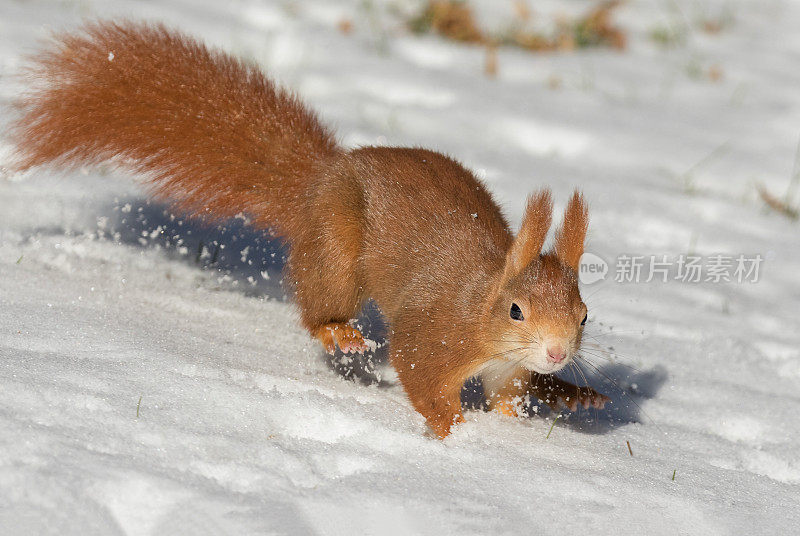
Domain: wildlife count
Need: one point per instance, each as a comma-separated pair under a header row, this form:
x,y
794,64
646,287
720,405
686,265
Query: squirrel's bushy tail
x,y
210,131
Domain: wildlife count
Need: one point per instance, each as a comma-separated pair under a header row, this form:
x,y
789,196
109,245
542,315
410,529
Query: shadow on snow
x,y
251,261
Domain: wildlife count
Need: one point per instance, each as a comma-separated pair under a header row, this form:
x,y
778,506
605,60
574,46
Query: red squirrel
x,y
411,229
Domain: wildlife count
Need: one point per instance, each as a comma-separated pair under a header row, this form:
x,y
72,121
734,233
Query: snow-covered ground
x,y
149,386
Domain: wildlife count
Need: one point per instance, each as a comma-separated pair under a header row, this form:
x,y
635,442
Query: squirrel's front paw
x,y
587,397
439,426
345,336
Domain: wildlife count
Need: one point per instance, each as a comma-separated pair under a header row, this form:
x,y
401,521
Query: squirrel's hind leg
x,y
325,268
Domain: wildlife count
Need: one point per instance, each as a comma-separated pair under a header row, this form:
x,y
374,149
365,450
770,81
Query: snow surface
x,y
153,385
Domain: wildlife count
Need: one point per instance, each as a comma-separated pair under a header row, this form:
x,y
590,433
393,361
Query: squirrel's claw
x,y
587,397
347,338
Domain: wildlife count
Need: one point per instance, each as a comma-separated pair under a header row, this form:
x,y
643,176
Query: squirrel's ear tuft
x,y
572,233
530,239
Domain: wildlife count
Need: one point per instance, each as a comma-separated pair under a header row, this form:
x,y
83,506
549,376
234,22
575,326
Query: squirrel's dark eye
x,y
516,312
585,318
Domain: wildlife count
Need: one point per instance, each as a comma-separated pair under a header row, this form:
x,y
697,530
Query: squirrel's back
x,y
431,216
211,131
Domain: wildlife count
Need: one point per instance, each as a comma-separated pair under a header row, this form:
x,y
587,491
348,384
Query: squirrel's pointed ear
x,y
572,233
530,239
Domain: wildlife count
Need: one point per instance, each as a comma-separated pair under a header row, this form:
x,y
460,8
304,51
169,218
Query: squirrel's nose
x,y
556,354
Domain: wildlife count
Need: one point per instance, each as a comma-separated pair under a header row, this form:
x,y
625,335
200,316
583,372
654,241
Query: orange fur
x,y
552,390
572,233
210,131
530,239
410,228
348,338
